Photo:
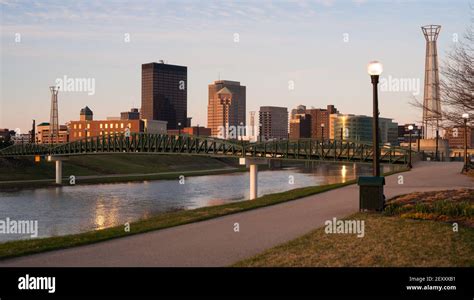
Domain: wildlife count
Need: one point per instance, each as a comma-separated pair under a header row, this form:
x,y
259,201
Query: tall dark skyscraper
x,y
165,93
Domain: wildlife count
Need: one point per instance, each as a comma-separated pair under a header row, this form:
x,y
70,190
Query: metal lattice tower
x,y
431,97
252,123
53,121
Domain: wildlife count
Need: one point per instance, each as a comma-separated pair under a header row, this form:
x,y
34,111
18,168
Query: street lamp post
x,y
466,163
240,131
418,139
374,69
322,132
179,128
410,130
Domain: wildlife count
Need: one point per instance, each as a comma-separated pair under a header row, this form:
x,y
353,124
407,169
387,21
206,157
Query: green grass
x,y
24,247
27,169
442,207
124,178
388,242
446,206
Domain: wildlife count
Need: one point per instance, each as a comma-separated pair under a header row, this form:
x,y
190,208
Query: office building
x,y
358,128
133,114
88,127
273,123
164,93
4,134
194,130
300,126
320,116
154,126
300,109
226,109
43,135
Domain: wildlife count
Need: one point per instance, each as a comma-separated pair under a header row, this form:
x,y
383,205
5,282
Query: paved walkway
x,y
214,243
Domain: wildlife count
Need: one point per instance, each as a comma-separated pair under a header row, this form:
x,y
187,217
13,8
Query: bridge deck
x,y
304,149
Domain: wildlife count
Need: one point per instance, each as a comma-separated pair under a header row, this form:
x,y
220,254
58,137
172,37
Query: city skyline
x,y
253,45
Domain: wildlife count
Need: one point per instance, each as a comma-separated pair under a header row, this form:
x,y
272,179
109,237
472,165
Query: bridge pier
x,y
253,164
59,167
59,171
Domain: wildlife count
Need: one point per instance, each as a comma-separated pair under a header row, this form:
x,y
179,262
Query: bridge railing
x,y
304,149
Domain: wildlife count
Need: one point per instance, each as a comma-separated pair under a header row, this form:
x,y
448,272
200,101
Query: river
x,y
74,209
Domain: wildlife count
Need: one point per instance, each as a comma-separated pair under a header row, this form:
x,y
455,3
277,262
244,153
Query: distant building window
x,y
116,125
106,126
88,126
129,125
100,125
80,126
121,125
111,125
75,134
75,126
80,133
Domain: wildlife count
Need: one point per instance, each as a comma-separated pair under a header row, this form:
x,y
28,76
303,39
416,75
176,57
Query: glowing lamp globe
x,y
374,68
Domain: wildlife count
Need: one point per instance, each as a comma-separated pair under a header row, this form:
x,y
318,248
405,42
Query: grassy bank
x,y
18,248
27,169
117,179
414,231
119,168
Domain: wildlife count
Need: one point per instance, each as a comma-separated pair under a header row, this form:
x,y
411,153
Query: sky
x,y
286,53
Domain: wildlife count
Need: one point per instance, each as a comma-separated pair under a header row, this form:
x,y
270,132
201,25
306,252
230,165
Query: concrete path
x,y
214,242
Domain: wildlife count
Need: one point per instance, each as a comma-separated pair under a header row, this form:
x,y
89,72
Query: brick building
x,y
88,127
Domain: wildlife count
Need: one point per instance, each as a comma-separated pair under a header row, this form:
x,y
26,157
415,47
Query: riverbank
x,y
415,230
161,221
93,169
114,178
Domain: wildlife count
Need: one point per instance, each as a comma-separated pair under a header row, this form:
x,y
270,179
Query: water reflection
x,y
74,209
343,173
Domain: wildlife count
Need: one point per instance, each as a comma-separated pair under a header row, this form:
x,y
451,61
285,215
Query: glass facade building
x,y
359,128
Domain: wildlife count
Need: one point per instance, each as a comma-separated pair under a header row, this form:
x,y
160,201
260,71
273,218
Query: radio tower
x,y
252,124
431,97
53,121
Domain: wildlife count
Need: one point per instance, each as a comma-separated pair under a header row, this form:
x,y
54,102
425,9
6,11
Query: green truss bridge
x,y
303,149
